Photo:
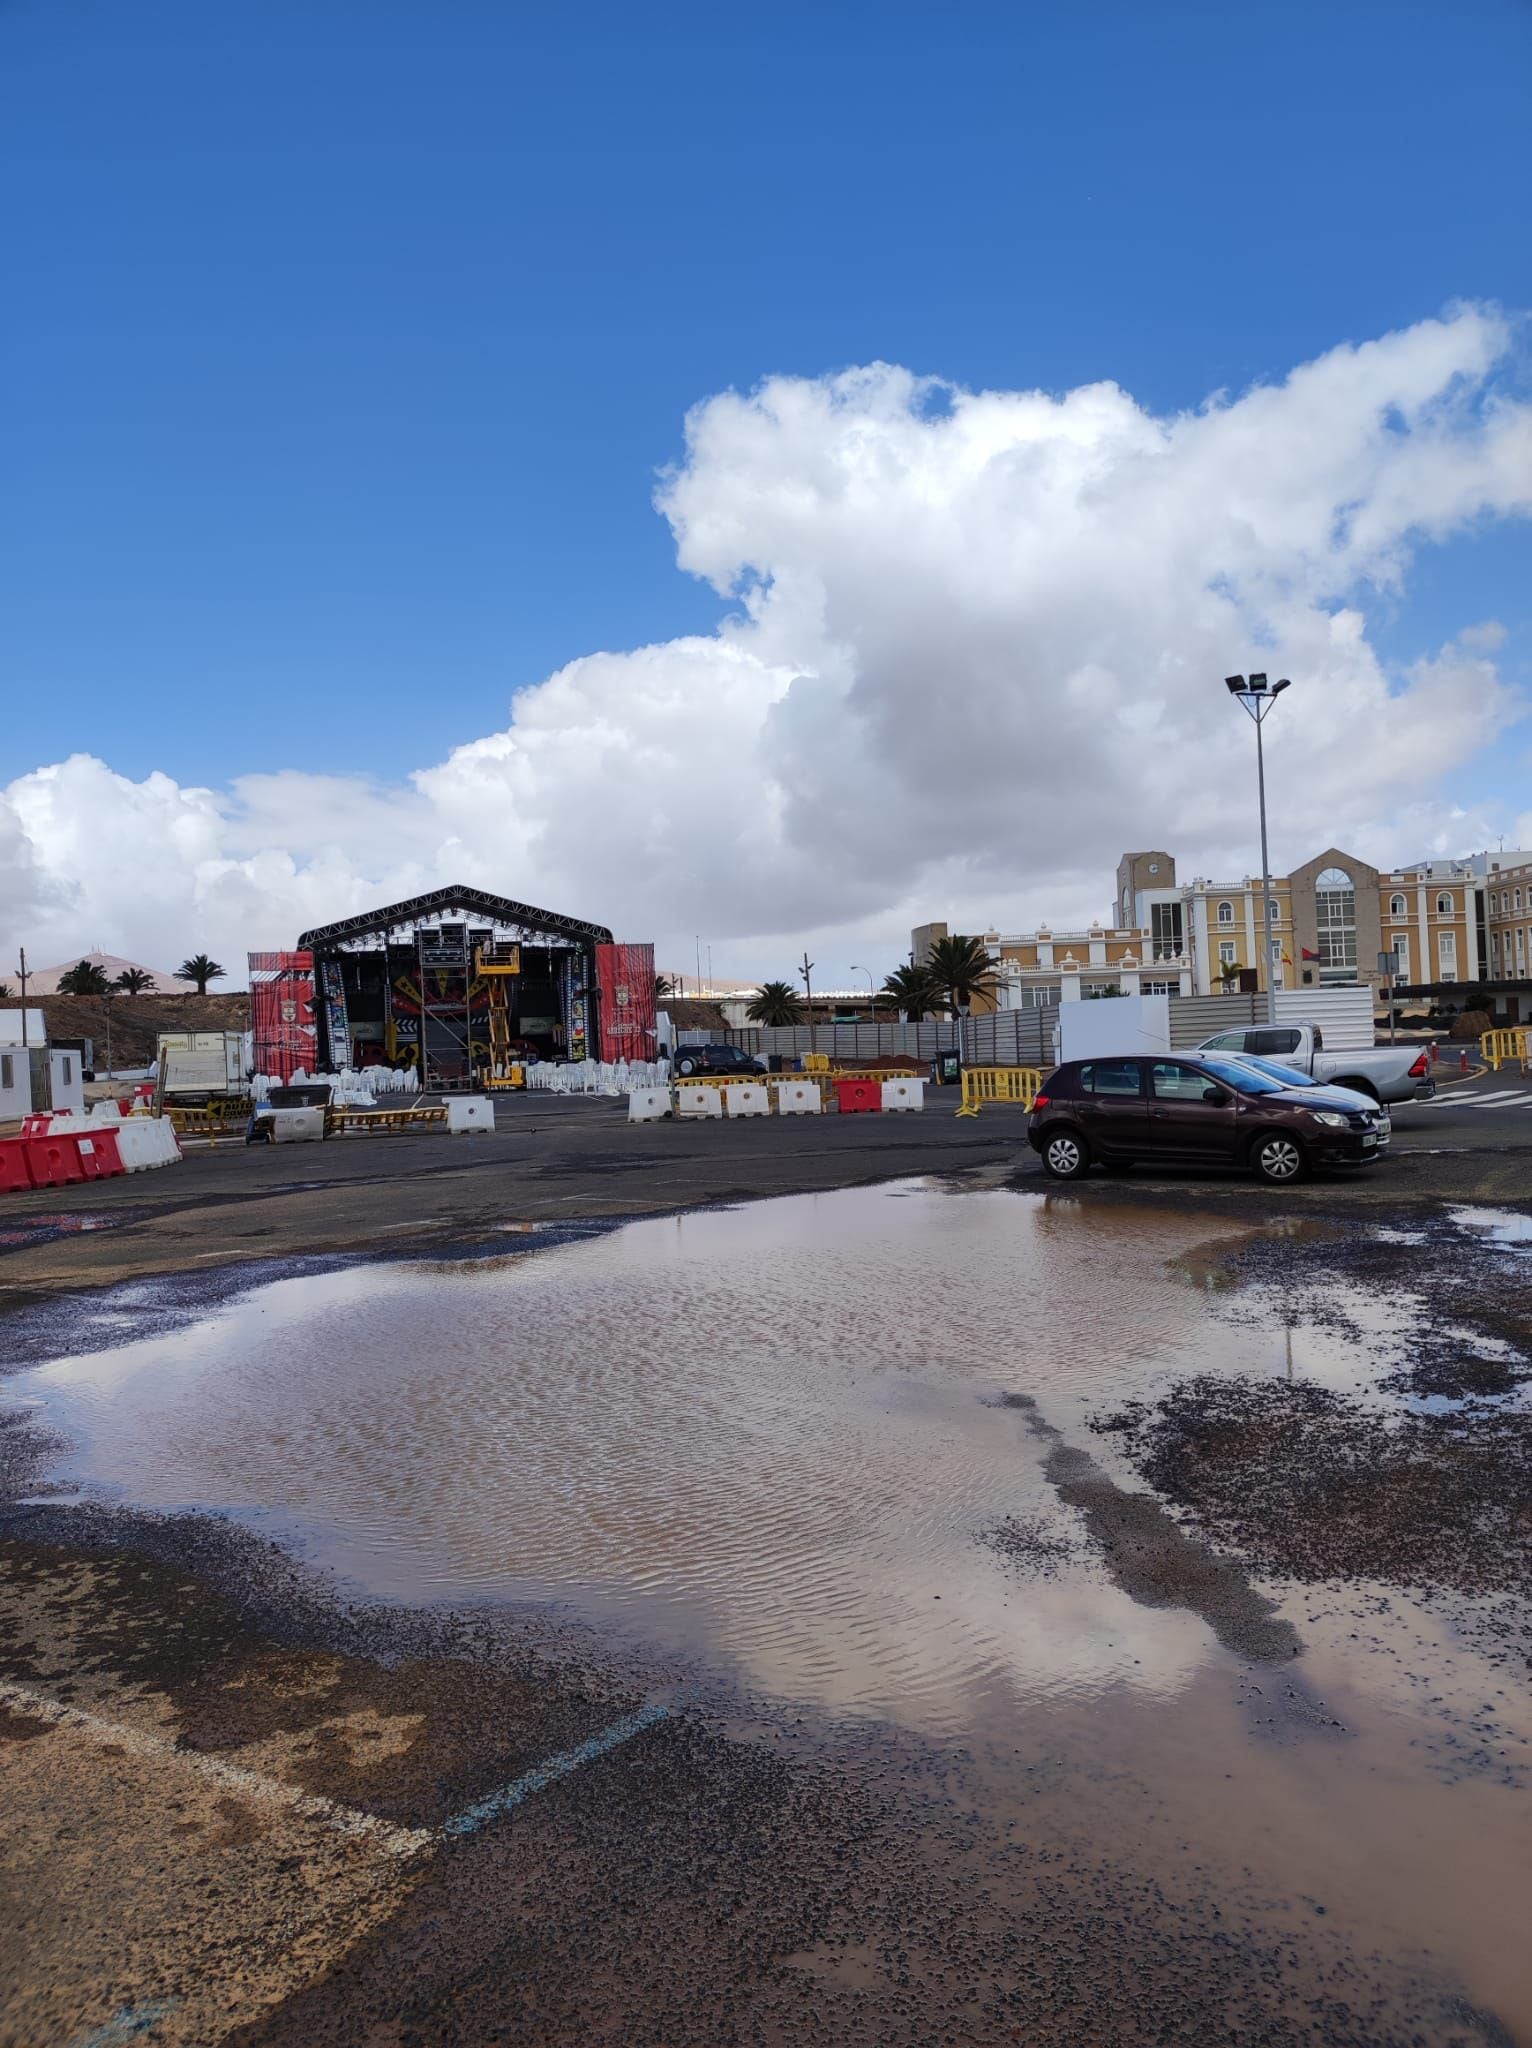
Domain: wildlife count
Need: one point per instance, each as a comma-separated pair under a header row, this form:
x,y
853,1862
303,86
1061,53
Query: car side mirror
x,y
1217,1096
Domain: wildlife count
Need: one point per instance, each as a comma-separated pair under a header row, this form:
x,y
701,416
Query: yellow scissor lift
x,y
497,963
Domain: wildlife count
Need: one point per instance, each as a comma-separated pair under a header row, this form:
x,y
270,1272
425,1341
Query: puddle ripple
x,y
766,1435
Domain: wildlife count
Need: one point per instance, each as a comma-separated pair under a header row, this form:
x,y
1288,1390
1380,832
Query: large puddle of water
x,y
774,1437
775,1440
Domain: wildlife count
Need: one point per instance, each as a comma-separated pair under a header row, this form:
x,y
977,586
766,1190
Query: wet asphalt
x,y
732,1871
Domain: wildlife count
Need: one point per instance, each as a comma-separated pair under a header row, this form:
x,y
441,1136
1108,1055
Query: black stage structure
x,y
453,983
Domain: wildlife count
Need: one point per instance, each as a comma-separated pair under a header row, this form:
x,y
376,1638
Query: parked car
x,y
1388,1073
1291,1078
1194,1109
715,1059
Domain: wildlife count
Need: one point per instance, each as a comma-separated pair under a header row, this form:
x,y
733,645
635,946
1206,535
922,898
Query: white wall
x,y
1344,1015
10,1027
15,1082
67,1080
1117,1024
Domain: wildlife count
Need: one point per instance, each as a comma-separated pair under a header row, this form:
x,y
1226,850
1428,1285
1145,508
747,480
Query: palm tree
x,y
663,987
84,979
133,981
7,993
910,991
958,970
201,970
776,1002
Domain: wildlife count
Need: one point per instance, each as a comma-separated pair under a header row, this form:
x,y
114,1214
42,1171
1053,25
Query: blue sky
x,y
347,337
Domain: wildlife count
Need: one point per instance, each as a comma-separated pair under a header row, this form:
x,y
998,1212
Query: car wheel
x,y
686,1066
1066,1156
1278,1159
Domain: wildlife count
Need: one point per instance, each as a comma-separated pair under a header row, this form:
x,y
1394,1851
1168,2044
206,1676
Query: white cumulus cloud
x,y
971,651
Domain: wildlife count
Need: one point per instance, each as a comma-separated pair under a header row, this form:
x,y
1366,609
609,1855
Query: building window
x,y
1396,907
1226,952
1160,988
1165,931
1276,952
66,1074
1273,910
1447,955
7,1071
1226,913
1402,955
1516,899
1443,904
1335,913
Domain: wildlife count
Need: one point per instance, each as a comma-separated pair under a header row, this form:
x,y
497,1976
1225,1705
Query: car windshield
x,y
1289,1077
1244,1075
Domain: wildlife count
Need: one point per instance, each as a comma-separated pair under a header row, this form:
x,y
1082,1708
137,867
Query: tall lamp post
x,y
1258,696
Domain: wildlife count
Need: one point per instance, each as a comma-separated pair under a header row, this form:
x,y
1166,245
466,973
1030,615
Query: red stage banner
x,y
282,1029
629,1028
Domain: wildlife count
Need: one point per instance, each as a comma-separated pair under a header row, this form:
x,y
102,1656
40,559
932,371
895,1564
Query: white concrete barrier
x,y
145,1141
692,1099
905,1091
296,1126
799,1098
646,1104
747,1098
470,1113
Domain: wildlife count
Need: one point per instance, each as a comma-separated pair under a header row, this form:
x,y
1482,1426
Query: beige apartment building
x,y
1444,922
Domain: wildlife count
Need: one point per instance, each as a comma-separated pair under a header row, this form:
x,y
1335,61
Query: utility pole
x,y
1258,698
806,969
22,971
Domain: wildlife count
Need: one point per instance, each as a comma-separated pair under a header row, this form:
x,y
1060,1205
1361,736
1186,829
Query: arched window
x,y
1396,907
1335,915
1517,899
1226,913
1443,904
1273,910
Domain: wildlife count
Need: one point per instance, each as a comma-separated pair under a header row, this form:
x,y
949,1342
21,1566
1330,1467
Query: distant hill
x,y
44,981
136,1020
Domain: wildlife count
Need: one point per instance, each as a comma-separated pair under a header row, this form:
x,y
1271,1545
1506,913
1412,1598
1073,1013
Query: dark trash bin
x,y
946,1070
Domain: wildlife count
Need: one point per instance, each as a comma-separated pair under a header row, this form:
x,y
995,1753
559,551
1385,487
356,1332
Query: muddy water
x,y
779,1440
773,1437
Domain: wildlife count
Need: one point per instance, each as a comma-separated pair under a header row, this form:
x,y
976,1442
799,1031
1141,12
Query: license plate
x,y
1369,1139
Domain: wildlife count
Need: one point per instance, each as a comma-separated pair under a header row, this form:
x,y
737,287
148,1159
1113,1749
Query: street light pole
x,y
1258,697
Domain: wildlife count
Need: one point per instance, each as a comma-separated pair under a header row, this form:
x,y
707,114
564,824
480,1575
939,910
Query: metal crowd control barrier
x,y
999,1084
1501,1046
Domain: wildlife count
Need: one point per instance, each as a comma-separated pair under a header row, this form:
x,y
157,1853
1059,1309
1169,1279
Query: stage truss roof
x,y
522,918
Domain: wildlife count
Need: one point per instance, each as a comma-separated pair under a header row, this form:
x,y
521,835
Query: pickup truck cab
x,y
1384,1073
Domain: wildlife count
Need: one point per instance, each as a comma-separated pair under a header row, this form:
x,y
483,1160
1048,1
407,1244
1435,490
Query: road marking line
x,y
126,2025
236,1778
472,1818
1511,1101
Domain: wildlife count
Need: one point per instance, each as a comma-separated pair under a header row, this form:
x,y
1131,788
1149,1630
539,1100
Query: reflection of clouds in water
x,y
757,1434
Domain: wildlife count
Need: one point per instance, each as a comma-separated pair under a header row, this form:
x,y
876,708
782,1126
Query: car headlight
x,y
1329,1116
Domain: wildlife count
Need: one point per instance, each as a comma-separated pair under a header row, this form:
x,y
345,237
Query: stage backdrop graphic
x,y
629,1027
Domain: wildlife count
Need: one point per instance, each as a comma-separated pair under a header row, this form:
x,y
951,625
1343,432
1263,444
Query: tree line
x,y
87,979
955,973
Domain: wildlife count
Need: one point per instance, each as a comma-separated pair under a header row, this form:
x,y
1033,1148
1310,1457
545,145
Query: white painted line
x,y
246,1784
472,1818
1513,1100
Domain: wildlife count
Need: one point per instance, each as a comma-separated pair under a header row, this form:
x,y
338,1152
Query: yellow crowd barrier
x,y
1500,1046
420,1118
999,1084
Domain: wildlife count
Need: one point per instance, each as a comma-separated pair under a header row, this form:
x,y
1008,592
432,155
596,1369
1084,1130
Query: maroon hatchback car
x,y
1195,1110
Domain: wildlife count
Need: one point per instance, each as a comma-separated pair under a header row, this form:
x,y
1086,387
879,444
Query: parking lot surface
x,y
767,1583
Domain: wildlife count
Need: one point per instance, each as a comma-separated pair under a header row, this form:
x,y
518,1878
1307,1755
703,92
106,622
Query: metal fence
x,y
1025,1038
1011,1038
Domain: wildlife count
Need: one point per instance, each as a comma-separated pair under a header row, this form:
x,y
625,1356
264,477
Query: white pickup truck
x,y
1386,1073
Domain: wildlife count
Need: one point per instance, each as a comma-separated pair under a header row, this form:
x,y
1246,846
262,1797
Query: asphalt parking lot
x,y
248,1799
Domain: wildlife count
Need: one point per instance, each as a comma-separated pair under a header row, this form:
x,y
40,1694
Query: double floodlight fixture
x,y
1254,686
